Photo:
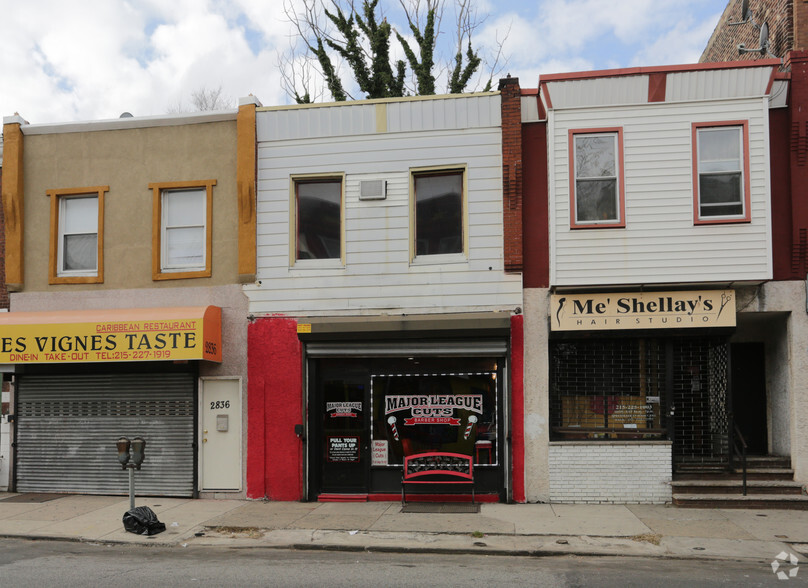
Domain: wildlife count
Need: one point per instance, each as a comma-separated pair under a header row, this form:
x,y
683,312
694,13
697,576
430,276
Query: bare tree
x,y
351,41
204,99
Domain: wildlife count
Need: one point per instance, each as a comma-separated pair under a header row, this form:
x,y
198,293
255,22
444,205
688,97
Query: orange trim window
x,y
597,185
77,235
182,229
721,185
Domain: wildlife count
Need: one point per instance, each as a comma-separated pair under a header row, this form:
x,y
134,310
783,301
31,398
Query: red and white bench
x,y
437,468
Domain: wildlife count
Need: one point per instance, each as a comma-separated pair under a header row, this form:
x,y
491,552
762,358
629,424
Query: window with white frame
x,y
77,223
438,212
182,231
597,185
720,173
318,218
78,235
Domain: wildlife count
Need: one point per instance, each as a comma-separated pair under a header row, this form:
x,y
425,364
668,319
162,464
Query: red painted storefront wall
x,y
274,397
518,407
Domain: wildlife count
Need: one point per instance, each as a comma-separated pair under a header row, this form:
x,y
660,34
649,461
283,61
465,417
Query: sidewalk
x,y
506,529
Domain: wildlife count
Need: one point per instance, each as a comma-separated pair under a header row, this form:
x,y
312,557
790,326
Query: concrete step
x,y
771,461
736,474
342,498
787,487
773,501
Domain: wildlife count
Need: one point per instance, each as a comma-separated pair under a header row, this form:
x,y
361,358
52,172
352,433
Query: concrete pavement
x,y
513,529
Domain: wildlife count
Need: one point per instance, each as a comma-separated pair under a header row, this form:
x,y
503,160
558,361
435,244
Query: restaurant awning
x,y
130,334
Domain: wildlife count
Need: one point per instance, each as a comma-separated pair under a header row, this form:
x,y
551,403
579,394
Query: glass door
x,y
344,439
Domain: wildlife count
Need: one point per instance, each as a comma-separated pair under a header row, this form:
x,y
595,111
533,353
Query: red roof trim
x,y
546,93
635,71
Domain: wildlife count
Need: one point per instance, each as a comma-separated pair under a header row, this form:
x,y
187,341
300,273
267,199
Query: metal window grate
x,y
700,387
637,388
607,388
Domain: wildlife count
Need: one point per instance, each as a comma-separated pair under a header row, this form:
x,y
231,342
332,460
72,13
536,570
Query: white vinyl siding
x,y
378,275
660,242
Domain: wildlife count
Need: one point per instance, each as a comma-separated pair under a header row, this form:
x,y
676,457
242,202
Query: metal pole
x,y
131,488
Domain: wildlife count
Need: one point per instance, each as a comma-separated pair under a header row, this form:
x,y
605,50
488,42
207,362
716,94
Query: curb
x,y
412,549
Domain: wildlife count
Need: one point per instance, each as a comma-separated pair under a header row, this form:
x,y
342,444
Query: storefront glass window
x,y
608,389
447,412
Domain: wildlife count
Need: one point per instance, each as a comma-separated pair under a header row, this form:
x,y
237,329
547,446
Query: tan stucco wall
x,y
127,161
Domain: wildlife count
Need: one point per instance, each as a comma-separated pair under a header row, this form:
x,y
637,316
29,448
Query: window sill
x,y
721,221
612,442
76,280
318,264
181,275
439,259
610,225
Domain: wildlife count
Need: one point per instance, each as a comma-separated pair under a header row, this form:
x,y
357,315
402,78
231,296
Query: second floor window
x,y
597,182
77,237
182,229
720,175
318,207
438,212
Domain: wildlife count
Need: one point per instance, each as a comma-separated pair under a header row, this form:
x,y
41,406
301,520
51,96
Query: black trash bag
x,y
141,520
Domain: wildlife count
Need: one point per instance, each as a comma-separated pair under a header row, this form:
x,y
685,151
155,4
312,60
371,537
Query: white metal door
x,y
220,461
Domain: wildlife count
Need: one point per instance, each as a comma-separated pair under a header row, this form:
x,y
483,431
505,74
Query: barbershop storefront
x,y
642,380
85,378
370,404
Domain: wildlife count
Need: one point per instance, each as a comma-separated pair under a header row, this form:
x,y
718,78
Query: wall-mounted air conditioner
x,y
372,189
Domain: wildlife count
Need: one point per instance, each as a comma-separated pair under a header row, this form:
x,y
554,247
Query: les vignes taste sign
x,y
138,335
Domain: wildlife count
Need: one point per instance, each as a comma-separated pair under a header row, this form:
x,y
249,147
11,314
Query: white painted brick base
x,y
610,472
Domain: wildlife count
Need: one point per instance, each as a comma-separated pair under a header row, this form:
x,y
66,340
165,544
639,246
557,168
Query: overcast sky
x,y
66,60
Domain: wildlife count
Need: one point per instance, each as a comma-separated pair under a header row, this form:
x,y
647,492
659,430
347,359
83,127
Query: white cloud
x,y
90,59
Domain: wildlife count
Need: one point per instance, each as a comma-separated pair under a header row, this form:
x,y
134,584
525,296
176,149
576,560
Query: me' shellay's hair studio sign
x,y
642,310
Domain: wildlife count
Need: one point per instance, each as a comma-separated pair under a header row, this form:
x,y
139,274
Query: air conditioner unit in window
x,y
372,189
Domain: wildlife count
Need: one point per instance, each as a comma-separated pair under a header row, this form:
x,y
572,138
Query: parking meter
x,y
138,449
123,451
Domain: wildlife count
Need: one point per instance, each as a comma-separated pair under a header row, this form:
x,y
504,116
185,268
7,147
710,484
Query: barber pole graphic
x,y
392,421
472,420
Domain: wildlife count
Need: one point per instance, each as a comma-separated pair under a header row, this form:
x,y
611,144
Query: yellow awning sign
x,y
135,334
642,310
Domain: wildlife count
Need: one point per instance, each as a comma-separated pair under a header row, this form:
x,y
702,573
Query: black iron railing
x,y
738,449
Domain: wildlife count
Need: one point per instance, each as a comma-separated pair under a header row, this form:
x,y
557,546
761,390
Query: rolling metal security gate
x,y
67,426
700,389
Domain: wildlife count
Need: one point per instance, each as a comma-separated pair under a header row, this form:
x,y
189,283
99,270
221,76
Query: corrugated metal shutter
x,y
472,348
68,424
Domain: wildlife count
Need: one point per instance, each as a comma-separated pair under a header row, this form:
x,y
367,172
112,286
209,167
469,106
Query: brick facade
x,y
778,14
512,172
610,472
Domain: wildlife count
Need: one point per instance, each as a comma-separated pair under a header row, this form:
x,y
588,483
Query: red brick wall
x,y
798,167
536,209
510,94
778,14
780,175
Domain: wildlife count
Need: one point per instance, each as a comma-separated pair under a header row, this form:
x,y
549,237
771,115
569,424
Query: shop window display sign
x,y
448,412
